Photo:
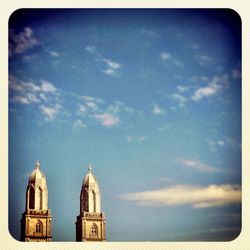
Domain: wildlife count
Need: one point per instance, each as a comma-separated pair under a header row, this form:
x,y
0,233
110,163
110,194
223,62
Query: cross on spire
x,y
37,164
90,168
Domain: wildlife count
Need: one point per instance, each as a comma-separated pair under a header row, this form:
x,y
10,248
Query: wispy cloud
x,y
178,63
214,143
50,111
111,67
111,64
108,119
47,86
78,124
82,109
181,100
212,87
207,91
43,94
22,41
108,115
92,99
54,53
182,88
90,104
199,166
167,57
204,60
139,139
149,32
158,111
111,72
29,86
28,98
164,56
90,49
191,195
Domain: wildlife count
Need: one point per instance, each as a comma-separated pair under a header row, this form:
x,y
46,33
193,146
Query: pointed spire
x,y
37,164
90,168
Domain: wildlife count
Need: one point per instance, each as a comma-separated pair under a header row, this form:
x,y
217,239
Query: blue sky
x,y
151,98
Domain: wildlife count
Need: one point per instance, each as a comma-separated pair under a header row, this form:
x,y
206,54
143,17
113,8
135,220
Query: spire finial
x,y
90,168
37,164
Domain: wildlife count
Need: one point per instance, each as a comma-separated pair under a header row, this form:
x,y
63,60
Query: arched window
x,y
31,198
94,230
39,226
40,198
92,201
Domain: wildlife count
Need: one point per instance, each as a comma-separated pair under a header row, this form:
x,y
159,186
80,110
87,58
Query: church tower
x,y
36,220
90,224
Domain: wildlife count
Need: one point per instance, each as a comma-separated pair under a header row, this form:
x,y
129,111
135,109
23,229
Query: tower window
x,y
31,198
94,230
38,227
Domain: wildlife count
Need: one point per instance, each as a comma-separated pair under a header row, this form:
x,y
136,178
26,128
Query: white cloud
x,y
191,195
178,63
118,107
107,119
207,91
221,143
111,64
92,105
212,143
31,86
91,99
25,98
82,108
157,110
90,49
135,139
18,85
79,124
204,60
54,53
43,97
32,97
142,139
182,88
180,99
111,67
14,84
165,56
20,99
199,166
47,86
110,72
50,112
22,41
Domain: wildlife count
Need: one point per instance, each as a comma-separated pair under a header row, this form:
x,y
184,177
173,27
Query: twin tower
x,y
36,220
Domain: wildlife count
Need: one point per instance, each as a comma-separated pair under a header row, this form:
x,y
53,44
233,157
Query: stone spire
x,y
91,222
90,200
36,220
37,193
